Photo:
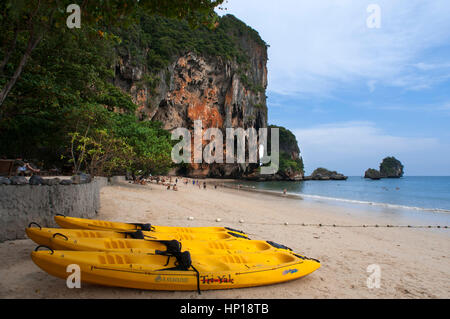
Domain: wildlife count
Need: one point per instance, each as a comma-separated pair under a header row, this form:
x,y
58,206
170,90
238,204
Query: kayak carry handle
x,y
62,235
43,246
33,223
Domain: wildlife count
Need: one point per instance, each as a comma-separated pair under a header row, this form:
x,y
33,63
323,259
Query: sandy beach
x,y
414,263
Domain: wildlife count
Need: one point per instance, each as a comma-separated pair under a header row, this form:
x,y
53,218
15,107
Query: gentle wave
x,y
434,210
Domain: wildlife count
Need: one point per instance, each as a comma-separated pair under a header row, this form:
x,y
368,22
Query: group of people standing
x,y
199,184
168,182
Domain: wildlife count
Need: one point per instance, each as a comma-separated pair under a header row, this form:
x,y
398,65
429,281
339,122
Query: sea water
x,y
428,195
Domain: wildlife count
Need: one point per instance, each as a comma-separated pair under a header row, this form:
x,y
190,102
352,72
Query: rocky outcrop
x,y
390,167
322,174
372,174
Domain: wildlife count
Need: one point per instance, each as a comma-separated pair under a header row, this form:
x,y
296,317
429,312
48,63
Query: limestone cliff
x,y
222,91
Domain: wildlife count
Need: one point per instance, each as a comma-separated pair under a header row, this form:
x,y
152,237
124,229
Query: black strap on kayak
x,y
306,258
137,234
145,227
172,246
235,230
271,243
183,263
238,236
134,234
173,249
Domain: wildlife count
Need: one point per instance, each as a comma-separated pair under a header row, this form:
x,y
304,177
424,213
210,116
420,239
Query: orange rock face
x,y
207,89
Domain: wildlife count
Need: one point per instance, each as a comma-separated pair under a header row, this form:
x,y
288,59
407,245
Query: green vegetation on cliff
x,y
290,160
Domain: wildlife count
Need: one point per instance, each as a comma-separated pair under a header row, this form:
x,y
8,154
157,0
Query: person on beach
x,y
175,188
284,191
204,185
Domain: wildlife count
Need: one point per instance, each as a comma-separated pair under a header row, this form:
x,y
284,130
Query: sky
x,y
356,82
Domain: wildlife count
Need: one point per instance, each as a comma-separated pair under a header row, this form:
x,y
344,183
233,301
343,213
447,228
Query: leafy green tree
x,y
100,153
151,144
25,23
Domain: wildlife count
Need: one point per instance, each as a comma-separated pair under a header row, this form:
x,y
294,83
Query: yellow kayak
x,y
93,224
179,271
43,236
62,242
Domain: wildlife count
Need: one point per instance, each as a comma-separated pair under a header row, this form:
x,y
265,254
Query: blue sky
x,y
353,94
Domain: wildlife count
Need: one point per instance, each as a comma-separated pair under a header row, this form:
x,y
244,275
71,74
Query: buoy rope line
x,y
329,225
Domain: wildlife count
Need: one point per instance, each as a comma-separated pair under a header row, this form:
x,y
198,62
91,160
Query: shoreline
x,y
414,262
432,216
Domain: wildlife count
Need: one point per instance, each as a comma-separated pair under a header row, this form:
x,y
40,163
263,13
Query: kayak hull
x,y
43,236
237,246
93,224
147,271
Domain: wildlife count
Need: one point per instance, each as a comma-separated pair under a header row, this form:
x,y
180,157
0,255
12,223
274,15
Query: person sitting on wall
x,y
25,168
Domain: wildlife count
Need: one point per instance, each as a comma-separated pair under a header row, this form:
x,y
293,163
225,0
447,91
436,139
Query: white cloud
x,y
441,108
431,66
352,147
372,85
318,47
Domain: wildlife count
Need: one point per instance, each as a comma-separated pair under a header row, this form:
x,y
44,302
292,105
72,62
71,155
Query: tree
x,y
100,153
25,23
151,144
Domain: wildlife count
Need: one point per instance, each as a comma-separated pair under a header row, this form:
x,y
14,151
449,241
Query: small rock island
x,y
390,167
322,174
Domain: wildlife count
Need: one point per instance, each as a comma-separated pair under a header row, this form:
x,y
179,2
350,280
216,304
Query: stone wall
x,y
23,204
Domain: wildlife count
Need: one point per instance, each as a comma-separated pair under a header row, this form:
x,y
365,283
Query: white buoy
x,y
190,218
241,221
218,220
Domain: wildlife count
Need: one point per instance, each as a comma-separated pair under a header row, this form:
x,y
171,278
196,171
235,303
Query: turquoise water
x,y
426,194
